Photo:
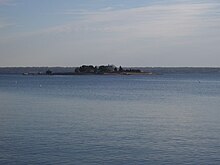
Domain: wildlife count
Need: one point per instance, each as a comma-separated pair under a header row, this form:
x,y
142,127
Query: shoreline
x,y
86,74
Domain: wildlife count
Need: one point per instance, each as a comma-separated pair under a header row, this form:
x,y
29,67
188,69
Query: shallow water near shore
x,y
158,119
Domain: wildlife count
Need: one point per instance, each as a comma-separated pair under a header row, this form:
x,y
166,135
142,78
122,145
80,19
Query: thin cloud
x,y
150,21
5,25
7,3
153,21
183,33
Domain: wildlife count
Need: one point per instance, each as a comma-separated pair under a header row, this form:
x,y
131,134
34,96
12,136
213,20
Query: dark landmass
x,y
107,70
82,70
93,70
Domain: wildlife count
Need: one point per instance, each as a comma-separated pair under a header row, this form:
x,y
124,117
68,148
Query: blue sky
x,y
120,32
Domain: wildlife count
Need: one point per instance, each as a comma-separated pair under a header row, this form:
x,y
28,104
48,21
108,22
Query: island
x,y
96,70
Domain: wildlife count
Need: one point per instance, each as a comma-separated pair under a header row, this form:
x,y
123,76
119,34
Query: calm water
x,y
164,119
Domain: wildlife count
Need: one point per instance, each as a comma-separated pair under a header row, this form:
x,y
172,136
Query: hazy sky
x,y
120,32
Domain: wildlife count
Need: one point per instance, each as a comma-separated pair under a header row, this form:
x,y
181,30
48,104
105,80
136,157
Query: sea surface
x,y
131,120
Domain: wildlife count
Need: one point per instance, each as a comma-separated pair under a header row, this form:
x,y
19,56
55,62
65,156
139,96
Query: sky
x,y
165,33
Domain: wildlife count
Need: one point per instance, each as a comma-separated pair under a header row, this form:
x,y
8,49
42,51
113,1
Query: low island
x,y
96,70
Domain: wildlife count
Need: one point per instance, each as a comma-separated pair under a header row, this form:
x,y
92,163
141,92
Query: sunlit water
x,y
162,119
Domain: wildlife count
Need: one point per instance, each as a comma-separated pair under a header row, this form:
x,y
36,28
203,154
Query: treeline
x,y
103,69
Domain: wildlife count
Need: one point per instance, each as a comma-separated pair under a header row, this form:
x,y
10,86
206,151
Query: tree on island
x,y
96,69
48,72
103,69
121,69
90,69
85,69
77,70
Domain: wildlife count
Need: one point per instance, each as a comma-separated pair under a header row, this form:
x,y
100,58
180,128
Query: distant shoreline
x,y
70,70
91,74
94,70
88,74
